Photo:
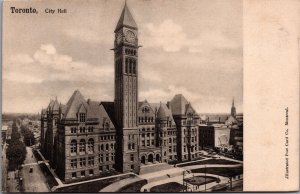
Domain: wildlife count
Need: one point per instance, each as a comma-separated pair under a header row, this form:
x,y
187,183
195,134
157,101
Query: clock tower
x,y
126,92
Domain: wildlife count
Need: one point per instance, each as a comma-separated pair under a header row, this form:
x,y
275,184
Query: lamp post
x,y
205,178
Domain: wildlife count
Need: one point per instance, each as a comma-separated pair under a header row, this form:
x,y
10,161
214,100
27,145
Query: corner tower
x,y
126,92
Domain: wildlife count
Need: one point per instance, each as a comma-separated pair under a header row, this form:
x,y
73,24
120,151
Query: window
x,y
82,145
91,161
90,129
131,157
73,130
129,146
73,146
148,134
102,147
82,162
143,142
148,142
106,126
106,146
126,66
101,168
133,146
74,163
143,135
112,146
107,157
82,173
100,158
170,140
152,142
132,167
112,156
81,117
91,172
91,145
170,149
73,175
152,134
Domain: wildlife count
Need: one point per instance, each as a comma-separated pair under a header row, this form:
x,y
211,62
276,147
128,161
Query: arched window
x,y
106,146
112,146
130,66
133,68
126,66
102,147
91,145
73,146
82,145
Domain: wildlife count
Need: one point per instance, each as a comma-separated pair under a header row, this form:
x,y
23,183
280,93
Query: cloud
x,y
48,65
171,37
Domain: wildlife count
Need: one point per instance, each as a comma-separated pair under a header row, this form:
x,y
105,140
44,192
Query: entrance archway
x,y
150,158
143,160
157,157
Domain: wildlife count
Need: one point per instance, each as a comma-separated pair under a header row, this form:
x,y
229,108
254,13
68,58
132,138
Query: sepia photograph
x,y
122,96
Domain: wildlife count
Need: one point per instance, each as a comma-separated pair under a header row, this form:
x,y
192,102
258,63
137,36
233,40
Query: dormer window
x,y
81,117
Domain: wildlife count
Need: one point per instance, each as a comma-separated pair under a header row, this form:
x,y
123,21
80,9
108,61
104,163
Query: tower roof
x,y
178,105
126,19
161,113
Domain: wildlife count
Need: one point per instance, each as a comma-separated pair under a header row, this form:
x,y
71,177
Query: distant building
x,y
87,138
214,136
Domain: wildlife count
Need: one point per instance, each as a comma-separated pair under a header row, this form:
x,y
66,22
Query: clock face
x,y
130,36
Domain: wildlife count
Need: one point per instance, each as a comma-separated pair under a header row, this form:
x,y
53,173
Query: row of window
x,y
146,119
130,52
148,129
148,143
106,158
108,137
170,149
130,66
82,174
103,147
82,162
82,129
131,146
82,145
189,122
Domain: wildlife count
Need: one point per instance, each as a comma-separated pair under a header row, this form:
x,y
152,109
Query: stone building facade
x,y
85,138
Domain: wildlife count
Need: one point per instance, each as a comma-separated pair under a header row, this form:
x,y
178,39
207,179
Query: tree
x,y
16,151
16,154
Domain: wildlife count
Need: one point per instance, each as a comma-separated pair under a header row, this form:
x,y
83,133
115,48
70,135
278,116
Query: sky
x,y
192,47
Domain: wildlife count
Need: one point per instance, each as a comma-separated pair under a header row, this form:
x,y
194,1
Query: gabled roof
x,y
126,19
178,105
110,109
73,105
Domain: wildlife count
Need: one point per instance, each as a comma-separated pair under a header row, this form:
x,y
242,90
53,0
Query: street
x,y
33,181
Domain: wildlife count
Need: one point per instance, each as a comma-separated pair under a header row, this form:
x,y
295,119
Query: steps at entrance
x,y
149,168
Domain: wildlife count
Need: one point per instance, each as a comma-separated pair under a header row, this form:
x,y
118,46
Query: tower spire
x,y
233,102
126,19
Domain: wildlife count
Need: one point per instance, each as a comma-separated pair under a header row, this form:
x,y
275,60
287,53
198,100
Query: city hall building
x,y
85,138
